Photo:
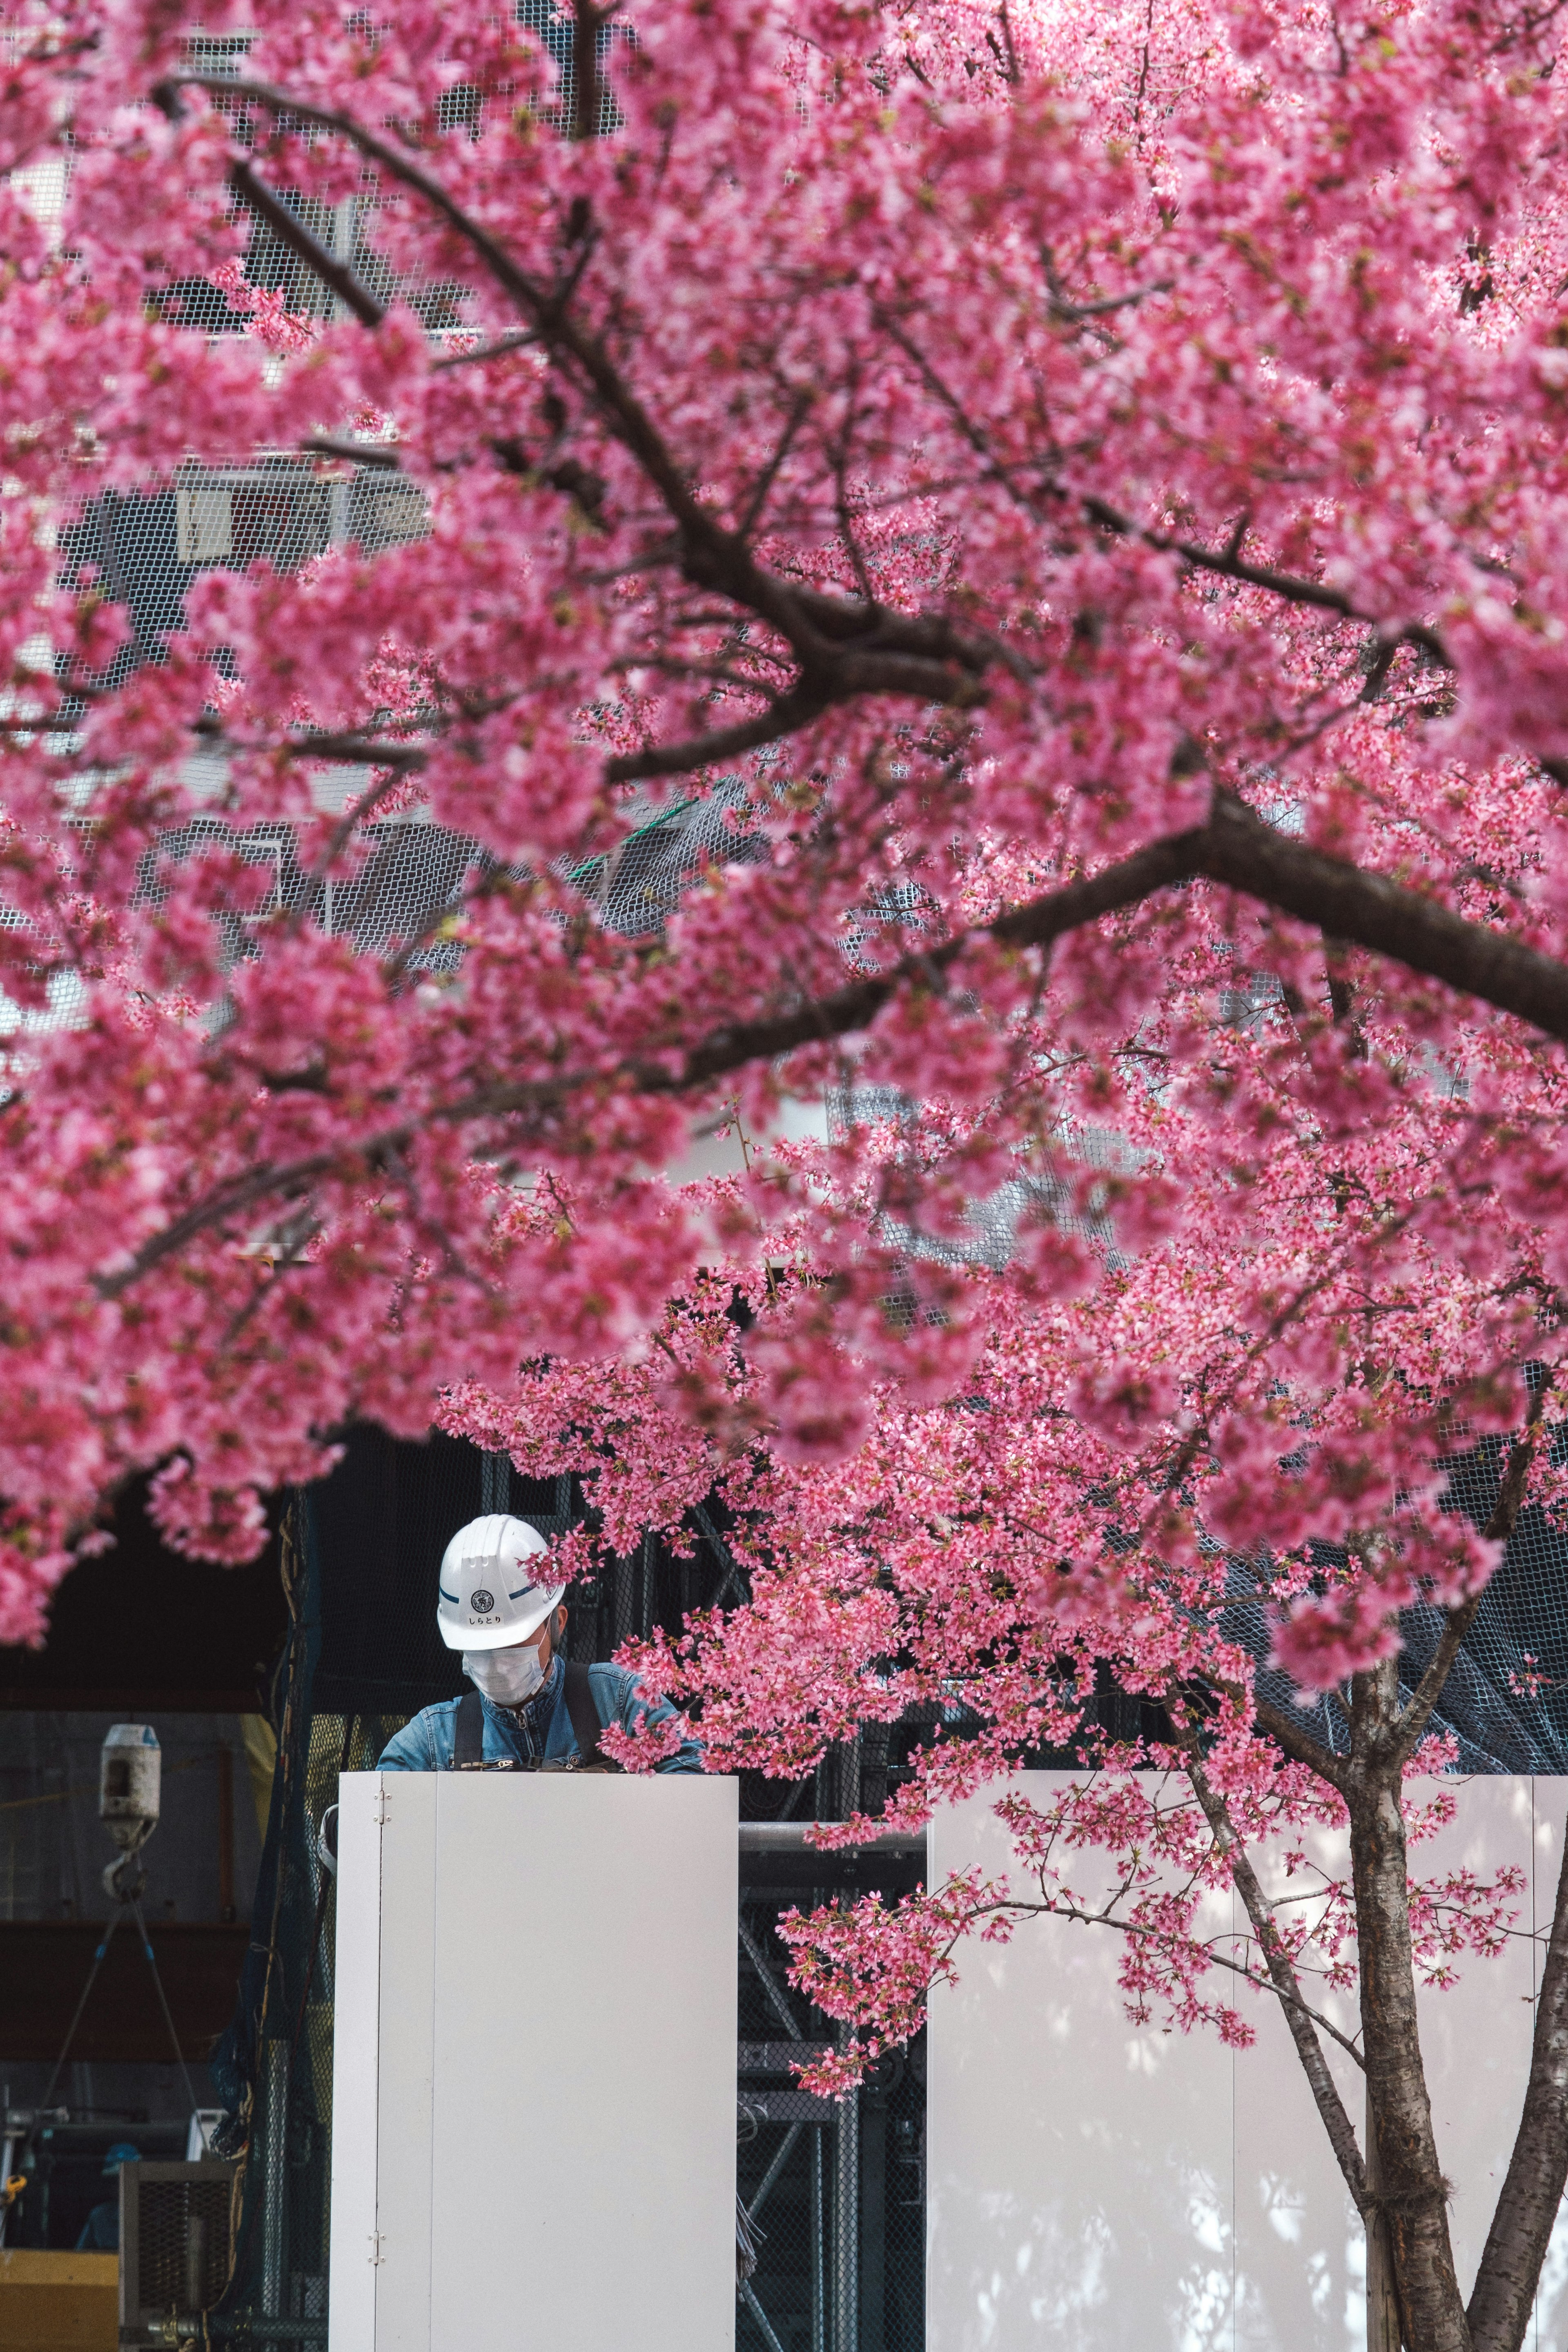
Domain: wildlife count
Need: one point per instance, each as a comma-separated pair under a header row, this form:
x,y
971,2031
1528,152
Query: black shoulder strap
x,y
584,1715
468,1742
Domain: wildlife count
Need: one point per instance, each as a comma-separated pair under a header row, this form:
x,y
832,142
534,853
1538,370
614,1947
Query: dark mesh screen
x,y
1507,1713
379,1526
181,2236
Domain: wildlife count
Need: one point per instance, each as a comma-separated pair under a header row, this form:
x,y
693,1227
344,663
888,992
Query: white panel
x,y
356,2044
404,2320
1549,1804
548,2152
1078,2195
585,2127
1300,2248
1079,2169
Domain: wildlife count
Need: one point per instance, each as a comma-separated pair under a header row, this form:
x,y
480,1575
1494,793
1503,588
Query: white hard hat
x,y
489,1598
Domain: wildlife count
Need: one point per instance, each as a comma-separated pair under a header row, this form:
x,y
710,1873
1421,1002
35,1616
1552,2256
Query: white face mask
x,y
509,1678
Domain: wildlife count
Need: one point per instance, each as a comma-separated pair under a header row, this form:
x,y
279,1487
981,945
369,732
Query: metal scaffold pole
x,y
846,2227
274,2175
818,2294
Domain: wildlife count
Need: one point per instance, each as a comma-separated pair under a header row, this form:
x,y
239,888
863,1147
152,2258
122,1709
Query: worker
x,y
100,2231
530,1707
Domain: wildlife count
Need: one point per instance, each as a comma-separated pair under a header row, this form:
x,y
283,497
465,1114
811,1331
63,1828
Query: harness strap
x,y
584,1715
468,1736
468,1741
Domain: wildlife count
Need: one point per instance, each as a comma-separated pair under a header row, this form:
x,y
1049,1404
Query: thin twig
x,y
1137,1929
482,352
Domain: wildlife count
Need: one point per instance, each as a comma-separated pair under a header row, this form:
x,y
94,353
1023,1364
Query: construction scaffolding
x,y
835,2190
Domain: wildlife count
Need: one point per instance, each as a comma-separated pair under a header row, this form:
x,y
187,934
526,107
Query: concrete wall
x,y
1094,2187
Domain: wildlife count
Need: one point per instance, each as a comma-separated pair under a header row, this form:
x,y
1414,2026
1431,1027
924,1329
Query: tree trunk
x,y
1414,2195
1383,2333
1528,2203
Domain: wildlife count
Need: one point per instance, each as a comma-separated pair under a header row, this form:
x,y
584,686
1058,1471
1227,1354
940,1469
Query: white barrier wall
x,y
1094,2187
533,2089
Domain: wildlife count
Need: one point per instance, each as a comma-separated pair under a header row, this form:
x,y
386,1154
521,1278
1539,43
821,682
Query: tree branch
x,y
1415,1716
1282,1974
586,85
723,1051
228,1199
1371,910
1300,1745
1135,1930
354,750
480,352
292,231
285,226
1532,2194
1228,565
925,656
360,453
1234,847
787,716
855,1006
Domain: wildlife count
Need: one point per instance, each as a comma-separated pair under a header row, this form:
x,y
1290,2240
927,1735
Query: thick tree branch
x,y
292,231
360,453
725,1051
1235,849
1373,912
785,717
370,750
332,748
1503,2298
587,85
856,1005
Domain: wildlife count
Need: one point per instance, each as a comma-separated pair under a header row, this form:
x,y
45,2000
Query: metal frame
x,y
837,2233
139,2324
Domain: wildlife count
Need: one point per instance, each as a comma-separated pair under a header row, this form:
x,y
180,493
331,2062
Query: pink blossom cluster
x,y
1133,1856
1087,486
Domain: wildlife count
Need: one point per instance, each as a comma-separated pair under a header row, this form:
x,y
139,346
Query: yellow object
x,y
11,2189
58,2303
260,1762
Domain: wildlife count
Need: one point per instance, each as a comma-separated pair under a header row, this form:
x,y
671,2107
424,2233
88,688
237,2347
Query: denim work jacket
x,y
545,1734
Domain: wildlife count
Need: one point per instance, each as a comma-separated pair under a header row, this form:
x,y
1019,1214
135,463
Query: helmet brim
x,y
523,1627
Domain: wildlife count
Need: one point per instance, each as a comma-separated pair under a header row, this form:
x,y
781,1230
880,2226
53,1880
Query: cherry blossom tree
x,y
980,1561
1079,492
